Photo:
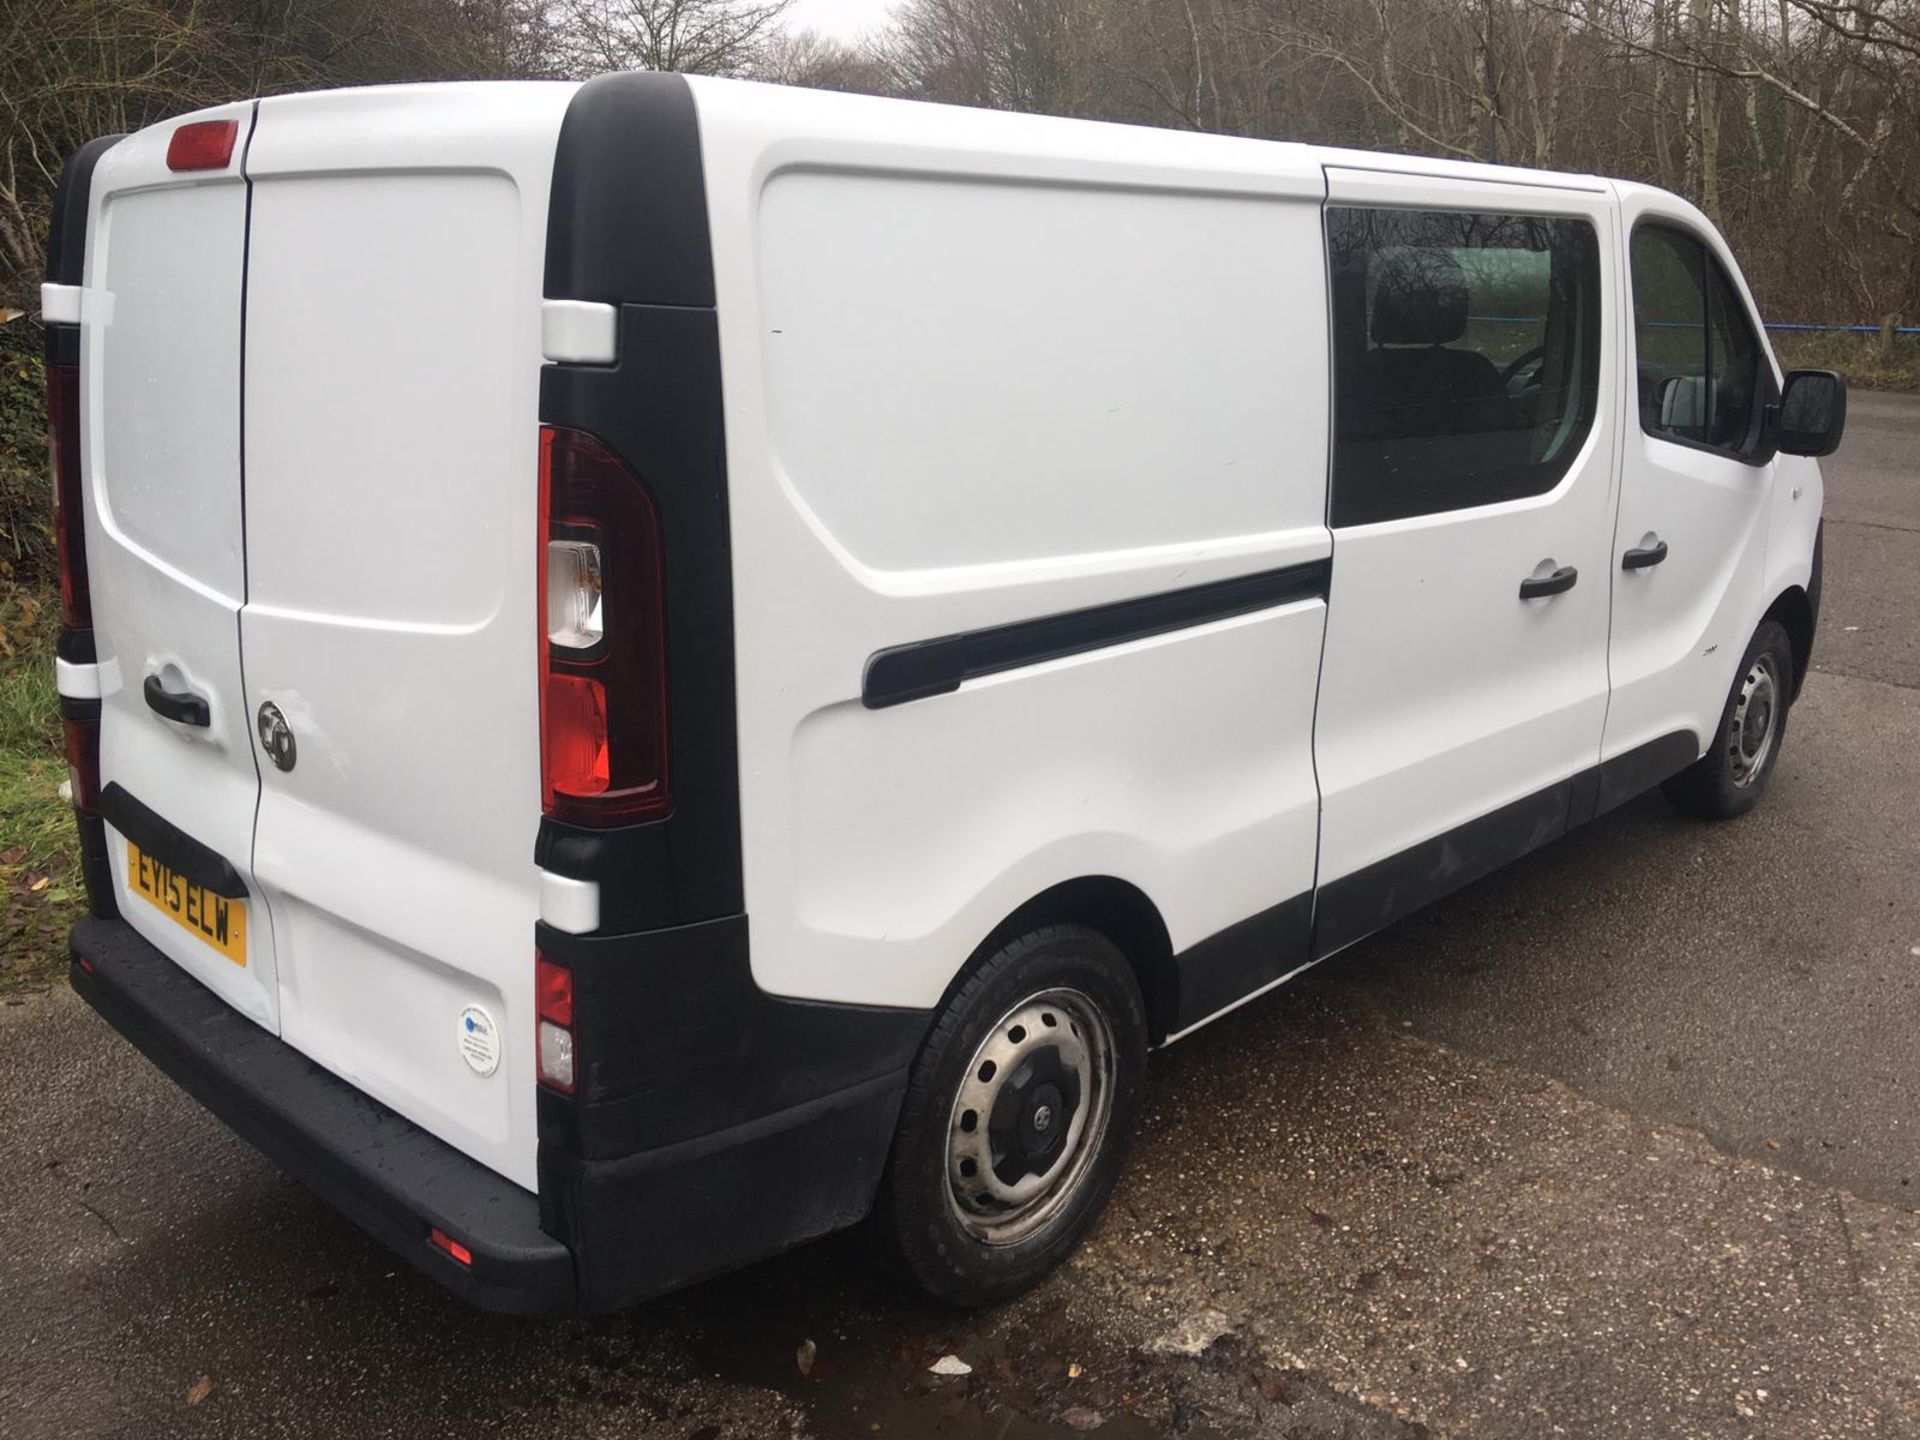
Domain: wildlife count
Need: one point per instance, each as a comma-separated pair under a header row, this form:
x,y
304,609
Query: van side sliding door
x,y
1464,690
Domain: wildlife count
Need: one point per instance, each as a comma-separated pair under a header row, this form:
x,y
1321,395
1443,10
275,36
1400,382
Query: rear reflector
x,y
202,145
443,1241
552,991
83,763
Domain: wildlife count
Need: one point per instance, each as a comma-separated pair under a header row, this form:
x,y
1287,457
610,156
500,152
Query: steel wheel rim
x,y
1755,722
1017,1072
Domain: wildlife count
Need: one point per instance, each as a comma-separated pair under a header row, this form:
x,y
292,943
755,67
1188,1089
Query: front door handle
x,y
1541,586
1641,556
183,707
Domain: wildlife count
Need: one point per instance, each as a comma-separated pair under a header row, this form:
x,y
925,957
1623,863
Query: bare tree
x,y
1791,121
818,62
699,37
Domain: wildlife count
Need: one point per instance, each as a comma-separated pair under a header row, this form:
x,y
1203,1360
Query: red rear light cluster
x,y
69,525
554,1041
202,145
603,686
70,540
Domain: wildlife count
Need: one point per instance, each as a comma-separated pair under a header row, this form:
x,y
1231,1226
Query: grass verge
x,y
40,888
1861,358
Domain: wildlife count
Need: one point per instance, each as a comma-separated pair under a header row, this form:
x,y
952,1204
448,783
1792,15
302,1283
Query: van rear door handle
x,y
1539,587
183,707
1641,556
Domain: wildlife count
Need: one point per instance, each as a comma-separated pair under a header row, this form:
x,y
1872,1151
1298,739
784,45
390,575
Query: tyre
x,y
1732,776
1017,1118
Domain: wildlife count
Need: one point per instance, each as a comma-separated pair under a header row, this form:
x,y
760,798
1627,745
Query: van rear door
x,y
160,448
392,428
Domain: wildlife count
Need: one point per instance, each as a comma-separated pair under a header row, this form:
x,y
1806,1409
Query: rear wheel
x,y
1731,777
1017,1117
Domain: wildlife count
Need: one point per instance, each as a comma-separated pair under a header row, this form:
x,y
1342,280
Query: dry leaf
x,y
38,885
13,855
200,1390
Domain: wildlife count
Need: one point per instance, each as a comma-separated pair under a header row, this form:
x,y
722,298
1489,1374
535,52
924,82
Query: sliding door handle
x,y
183,707
1641,556
1540,586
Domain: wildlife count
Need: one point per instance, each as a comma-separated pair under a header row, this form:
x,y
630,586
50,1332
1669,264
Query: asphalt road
x,y
1618,1142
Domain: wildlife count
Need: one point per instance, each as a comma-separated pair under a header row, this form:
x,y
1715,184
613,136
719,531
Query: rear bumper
x,y
739,1135
383,1172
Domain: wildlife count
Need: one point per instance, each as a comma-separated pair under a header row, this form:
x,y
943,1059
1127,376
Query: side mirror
x,y
1811,414
1683,405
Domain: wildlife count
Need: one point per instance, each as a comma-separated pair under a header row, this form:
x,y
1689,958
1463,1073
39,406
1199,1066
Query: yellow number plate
x,y
220,922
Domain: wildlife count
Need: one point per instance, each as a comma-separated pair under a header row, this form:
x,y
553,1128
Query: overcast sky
x,y
842,19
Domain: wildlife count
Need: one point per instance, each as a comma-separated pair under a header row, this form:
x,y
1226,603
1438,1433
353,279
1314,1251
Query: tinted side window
x,y
1466,357
1698,361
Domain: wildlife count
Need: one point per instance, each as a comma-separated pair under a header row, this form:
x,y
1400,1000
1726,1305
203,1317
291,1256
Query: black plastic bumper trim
x,y
383,1172
1636,771
1354,906
95,870
1373,897
1226,967
925,668
663,1219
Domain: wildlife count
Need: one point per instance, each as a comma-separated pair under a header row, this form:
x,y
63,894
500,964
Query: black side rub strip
x,y
169,844
938,667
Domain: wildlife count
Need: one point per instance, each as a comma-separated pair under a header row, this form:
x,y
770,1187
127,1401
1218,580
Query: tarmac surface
x,y
1619,1142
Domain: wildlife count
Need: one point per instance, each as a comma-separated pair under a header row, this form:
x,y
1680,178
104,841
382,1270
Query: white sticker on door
x,y
479,1041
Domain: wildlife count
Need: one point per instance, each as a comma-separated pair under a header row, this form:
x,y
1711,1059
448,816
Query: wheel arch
x,y
1795,613
1122,912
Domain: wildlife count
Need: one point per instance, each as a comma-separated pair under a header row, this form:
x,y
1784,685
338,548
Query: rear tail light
x,y
202,145
603,680
70,537
83,763
69,523
553,1002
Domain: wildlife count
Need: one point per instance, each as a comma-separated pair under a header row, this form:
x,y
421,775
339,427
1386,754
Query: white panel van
x,y
656,668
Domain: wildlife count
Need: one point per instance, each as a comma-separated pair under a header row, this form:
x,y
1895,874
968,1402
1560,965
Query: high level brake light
x,y
202,145
603,683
